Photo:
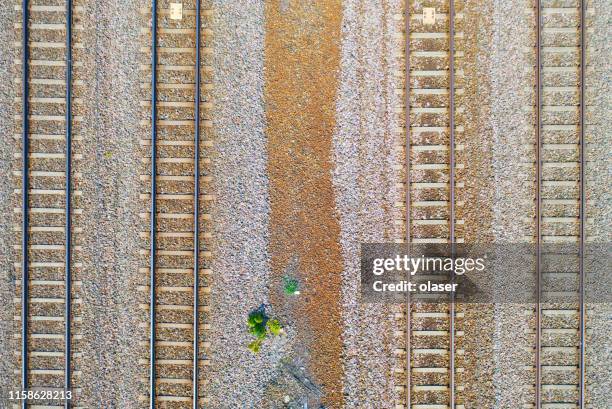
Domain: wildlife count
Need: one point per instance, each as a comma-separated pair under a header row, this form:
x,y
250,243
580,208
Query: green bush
x,y
259,326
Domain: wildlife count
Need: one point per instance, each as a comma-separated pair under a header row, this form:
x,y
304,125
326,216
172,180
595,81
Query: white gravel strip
x,y
8,237
241,210
363,180
111,373
478,183
599,188
512,131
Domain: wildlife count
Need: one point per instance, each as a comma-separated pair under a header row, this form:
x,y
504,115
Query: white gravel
x,y
8,146
365,192
241,210
511,201
111,224
598,110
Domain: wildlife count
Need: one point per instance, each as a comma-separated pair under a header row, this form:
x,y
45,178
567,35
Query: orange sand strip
x,y
302,59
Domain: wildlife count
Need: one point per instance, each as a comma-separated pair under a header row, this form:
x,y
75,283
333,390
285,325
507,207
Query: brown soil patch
x,y
302,59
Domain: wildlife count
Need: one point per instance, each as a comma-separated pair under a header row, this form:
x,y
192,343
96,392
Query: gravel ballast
x,y
364,159
513,164
237,377
598,188
111,374
477,193
302,58
8,146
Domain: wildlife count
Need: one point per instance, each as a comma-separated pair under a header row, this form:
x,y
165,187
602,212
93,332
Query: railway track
x,y
48,275
432,349
560,202
174,188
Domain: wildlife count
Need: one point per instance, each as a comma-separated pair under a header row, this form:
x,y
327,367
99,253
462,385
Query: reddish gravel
x,y
302,59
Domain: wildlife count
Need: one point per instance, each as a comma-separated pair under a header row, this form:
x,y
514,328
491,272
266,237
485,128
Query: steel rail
x,y
153,210
25,198
196,215
408,208
68,210
538,205
452,195
582,208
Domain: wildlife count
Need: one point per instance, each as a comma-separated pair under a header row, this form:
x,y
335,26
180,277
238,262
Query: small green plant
x,y
260,325
291,285
255,345
275,327
108,155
